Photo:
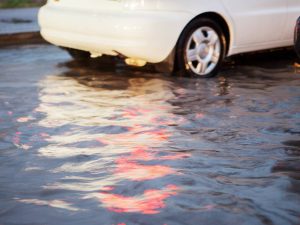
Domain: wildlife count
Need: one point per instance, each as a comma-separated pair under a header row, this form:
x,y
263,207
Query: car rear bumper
x,y
145,35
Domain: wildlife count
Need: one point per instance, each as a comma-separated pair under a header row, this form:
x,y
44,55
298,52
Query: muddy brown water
x,y
83,143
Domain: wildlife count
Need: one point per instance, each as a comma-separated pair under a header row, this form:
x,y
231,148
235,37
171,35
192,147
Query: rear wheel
x,y
201,48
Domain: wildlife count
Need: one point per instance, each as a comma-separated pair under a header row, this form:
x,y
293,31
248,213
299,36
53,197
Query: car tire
x,y
201,48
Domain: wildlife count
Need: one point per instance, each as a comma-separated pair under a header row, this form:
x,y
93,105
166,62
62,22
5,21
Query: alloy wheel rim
x,y
203,50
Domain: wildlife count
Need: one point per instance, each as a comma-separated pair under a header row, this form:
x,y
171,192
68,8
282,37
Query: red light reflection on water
x,y
127,166
102,141
23,119
200,116
144,154
17,141
29,144
160,134
44,135
131,167
175,156
137,131
140,153
148,203
134,112
137,172
168,121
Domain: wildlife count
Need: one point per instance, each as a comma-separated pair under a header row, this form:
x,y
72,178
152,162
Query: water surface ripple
x,y
84,143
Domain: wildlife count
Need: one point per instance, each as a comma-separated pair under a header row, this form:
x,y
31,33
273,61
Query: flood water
x,y
84,143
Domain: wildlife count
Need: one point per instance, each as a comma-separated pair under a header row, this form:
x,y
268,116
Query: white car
x,y
192,35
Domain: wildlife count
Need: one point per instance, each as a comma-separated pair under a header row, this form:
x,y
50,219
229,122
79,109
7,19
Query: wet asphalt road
x,y
83,143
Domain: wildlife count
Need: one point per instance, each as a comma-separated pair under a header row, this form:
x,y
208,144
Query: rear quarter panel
x,y
198,7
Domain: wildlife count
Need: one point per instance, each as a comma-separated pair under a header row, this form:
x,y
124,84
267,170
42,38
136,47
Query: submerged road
x,y
84,143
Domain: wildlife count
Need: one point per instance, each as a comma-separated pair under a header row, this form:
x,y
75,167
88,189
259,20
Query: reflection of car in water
x,y
297,37
196,34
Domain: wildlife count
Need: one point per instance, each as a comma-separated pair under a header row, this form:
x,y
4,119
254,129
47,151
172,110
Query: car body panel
x,y
146,35
257,21
150,31
293,15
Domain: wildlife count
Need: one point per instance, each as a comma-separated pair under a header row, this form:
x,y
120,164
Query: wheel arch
x,y
220,20
170,63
